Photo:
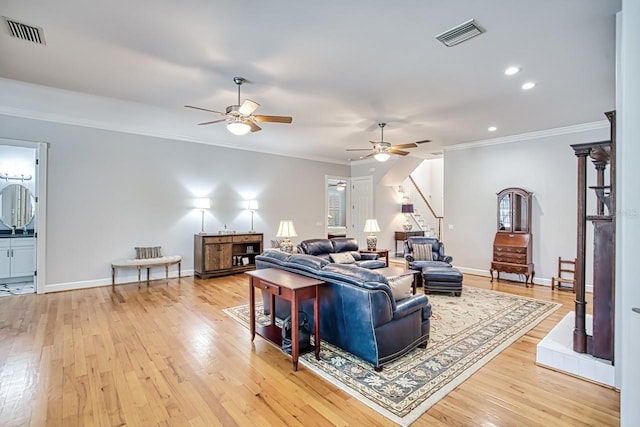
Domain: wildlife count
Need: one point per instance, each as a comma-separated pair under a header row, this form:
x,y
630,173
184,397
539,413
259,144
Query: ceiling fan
x,y
340,185
383,150
239,117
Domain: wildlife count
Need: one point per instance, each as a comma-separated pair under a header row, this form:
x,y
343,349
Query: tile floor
x,y
20,288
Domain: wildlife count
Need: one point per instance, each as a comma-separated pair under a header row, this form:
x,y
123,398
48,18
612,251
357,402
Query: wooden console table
x,y
293,288
404,235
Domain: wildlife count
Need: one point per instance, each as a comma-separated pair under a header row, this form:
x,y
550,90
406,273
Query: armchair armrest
x,y
409,258
410,305
448,259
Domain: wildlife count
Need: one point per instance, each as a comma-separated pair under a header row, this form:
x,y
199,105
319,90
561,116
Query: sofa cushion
x,y
342,258
309,261
317,246
422,252
371,263
401,286
344,244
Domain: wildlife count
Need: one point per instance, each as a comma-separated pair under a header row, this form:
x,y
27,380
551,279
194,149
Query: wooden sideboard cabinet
x,y
223,254
512,244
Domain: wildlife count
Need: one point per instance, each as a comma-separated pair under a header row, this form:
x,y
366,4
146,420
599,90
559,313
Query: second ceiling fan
x,y
382,150
239,117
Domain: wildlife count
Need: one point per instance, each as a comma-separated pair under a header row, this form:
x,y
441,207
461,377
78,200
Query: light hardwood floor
x,y
167,355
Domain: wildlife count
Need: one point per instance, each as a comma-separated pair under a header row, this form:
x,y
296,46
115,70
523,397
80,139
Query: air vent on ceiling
x,y
24,31
461,33
437,153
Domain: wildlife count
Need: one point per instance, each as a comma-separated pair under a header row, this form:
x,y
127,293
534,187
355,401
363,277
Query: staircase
x,y
423,216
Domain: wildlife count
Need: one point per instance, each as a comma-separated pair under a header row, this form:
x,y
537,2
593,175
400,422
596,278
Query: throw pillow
x,y
342,258
401,286
422,252
148,252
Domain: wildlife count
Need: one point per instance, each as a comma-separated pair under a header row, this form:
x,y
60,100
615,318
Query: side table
x,y
293,288
381,253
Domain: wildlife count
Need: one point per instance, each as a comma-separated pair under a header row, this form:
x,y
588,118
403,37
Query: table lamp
x,y
407,209
371,226
286,230
202,204
252,206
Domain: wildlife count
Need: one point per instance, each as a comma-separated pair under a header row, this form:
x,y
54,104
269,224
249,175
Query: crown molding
x,y
530,135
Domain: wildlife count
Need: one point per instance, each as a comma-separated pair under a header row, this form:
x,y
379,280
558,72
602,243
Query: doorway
x,y
22,216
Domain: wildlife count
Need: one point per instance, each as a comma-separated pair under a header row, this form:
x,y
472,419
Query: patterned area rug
x,y
466,333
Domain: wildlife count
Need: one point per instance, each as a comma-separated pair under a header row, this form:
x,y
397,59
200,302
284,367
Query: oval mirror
x,y
17,206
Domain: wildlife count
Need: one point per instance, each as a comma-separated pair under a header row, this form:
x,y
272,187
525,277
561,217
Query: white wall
x,y
544,165
111,191
628,215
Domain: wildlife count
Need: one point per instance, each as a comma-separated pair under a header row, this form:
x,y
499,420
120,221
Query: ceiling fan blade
x,y
273,119
370,155
422,142
358,149
204,109
398,152
254,127
248,107
374,142
212,122
409,145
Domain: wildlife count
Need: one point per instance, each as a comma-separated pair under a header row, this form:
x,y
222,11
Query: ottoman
x,y
442,279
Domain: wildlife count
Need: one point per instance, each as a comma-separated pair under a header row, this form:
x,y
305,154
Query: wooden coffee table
x,y
399,271
293,288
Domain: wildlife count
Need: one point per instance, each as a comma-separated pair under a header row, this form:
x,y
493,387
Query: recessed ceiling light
x,y
492,129
528,85
512,70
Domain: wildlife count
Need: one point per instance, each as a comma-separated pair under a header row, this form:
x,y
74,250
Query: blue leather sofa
x,y
358,312
323,248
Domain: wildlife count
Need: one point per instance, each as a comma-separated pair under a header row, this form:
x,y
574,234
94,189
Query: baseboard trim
x,y
512,277
125,279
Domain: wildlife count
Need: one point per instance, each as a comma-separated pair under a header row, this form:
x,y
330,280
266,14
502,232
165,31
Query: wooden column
x,y
580,330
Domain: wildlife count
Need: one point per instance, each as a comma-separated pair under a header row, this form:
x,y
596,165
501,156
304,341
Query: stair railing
x,y
426,202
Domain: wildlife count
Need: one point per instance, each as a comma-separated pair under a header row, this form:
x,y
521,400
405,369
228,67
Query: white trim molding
x,y
603,124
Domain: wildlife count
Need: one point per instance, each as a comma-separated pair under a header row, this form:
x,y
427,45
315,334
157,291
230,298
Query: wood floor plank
x,y
168,355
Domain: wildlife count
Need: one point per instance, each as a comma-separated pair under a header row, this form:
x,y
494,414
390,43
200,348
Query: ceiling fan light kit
x,y
238,127
382,156
239,117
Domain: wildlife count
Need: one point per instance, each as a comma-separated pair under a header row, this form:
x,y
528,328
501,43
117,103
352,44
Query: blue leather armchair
x,y
358,312
439,259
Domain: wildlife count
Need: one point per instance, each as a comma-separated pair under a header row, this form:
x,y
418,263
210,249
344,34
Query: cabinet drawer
x,y
511,258
217,239
511,249
269,287
246,239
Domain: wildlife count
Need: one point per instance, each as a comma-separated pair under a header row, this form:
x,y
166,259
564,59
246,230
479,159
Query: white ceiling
x,y
337,67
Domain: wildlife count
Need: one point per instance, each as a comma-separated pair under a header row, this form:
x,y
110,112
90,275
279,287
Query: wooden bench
x,y
148,263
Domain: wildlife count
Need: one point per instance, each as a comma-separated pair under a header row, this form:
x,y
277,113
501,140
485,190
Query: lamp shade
x,y
371,226
407,208
252,205
203,203
286,229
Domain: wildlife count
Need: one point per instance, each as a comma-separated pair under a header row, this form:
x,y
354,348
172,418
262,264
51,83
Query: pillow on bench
x,y
148,252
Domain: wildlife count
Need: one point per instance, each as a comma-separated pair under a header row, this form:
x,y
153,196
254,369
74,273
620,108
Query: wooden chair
x,y
568,267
